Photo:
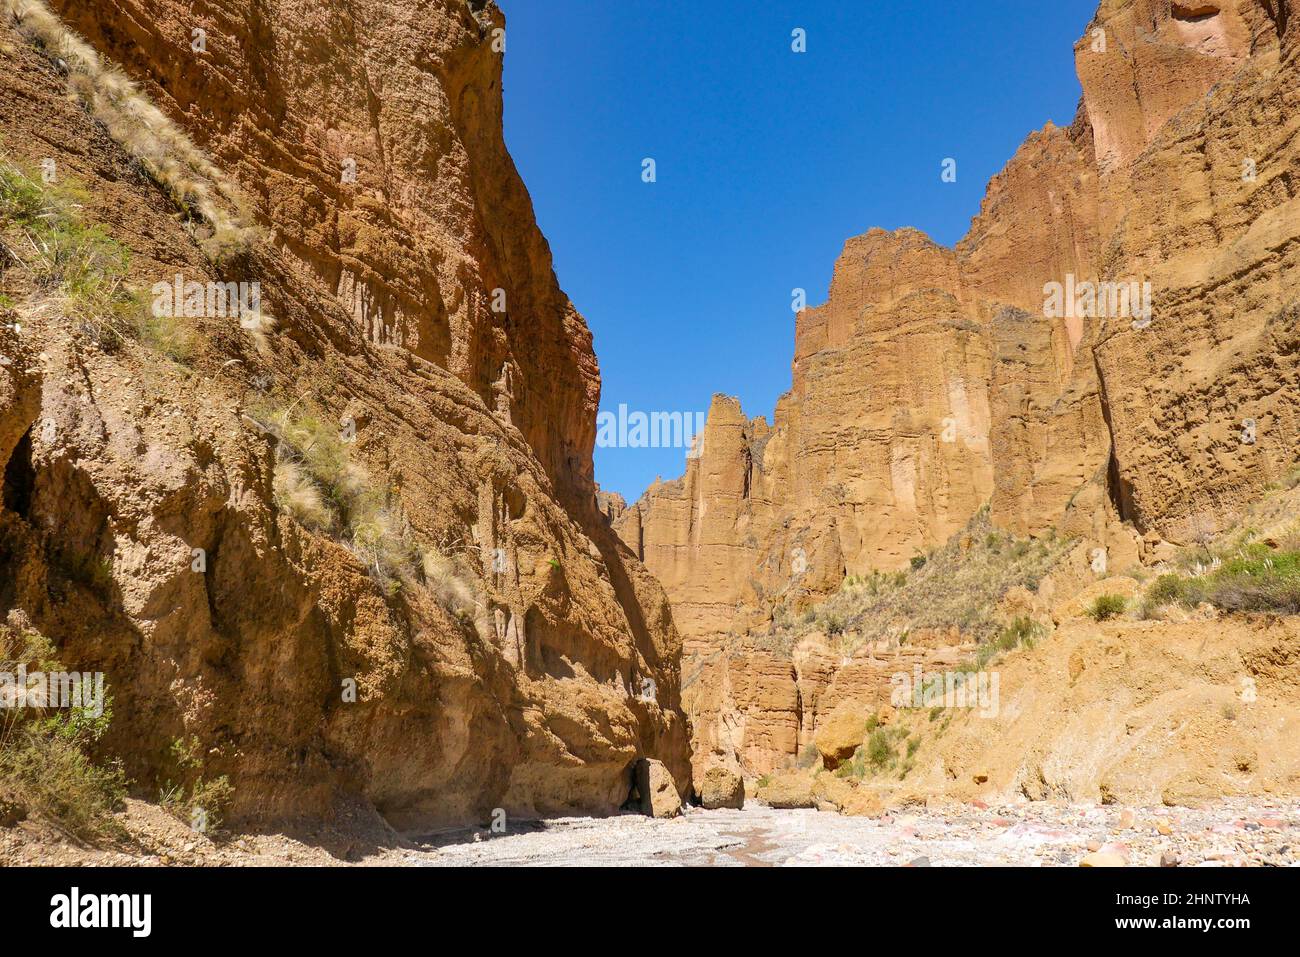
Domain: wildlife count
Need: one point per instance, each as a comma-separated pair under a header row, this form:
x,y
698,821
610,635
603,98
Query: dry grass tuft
x,y
450,582
298,495
144,131
259,326
317,482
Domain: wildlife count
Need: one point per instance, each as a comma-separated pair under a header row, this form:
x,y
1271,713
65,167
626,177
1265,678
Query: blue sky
x,y
766,161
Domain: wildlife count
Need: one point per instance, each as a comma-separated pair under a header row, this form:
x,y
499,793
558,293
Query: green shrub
x,y
1167,589
1021,631
880,748
54,778
855,768
832,624
79,269
1106,607
1256,578
46,766
202,802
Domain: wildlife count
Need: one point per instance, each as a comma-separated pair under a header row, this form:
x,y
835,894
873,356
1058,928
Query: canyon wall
x,y
934,380
417,307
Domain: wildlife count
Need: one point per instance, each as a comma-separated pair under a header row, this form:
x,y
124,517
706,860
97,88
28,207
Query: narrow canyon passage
x,y
300,439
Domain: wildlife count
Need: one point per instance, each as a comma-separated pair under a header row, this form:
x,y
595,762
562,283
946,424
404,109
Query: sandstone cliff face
x,y
290,98
934,380
537,690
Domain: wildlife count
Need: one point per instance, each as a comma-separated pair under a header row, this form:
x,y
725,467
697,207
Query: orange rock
x,y
418,302
1103,859
841,733
933,380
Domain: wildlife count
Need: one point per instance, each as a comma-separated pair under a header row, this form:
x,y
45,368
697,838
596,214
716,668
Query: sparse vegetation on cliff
x,y
1256,578
46,767
1020,632
318,483
77,269
163,151
957,586
198,801
1106,607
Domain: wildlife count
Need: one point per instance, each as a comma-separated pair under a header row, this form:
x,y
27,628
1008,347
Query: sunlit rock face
x,y
1111,352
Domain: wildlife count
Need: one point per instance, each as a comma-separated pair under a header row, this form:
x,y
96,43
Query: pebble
x,y
1102,859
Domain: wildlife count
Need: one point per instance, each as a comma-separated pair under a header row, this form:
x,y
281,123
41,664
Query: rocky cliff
x,y
1023,367
360,555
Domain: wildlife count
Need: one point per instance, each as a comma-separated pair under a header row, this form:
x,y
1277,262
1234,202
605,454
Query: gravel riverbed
x,y
1225,834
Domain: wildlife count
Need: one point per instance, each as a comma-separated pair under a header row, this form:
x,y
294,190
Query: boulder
x,y
850,799
655,787
840,734
721,788
830,789
788,789
863,803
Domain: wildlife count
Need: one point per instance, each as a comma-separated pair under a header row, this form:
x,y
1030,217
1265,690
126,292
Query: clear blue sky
x,y
767,160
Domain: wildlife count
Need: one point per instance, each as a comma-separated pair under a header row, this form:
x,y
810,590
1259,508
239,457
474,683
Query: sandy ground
x,y
1223,834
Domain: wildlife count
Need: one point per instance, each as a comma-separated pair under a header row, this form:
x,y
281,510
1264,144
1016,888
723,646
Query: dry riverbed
x,y
1238,832
1226,834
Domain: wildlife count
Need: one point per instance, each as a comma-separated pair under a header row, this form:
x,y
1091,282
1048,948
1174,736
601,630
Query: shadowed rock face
x,y
538,694
934,380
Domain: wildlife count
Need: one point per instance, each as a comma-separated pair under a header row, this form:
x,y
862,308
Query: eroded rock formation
x,y
417,306
934,380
